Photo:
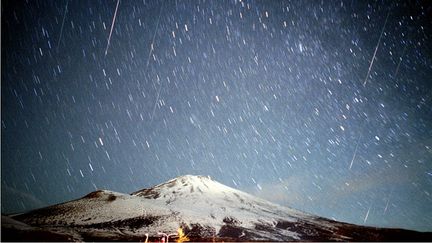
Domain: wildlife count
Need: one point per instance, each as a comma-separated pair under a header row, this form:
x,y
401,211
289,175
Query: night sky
x,y
322,106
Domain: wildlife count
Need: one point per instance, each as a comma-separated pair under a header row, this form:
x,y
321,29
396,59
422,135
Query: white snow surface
x,y
200,199
183,200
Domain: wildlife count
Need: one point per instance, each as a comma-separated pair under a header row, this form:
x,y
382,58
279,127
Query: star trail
x,y
325,107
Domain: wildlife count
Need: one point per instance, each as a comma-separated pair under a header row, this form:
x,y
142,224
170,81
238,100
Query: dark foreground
x,y
13,230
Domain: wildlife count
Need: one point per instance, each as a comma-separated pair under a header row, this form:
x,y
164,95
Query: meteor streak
x,y
112,27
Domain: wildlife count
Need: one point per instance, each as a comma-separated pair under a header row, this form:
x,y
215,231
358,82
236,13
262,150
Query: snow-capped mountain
x,y
205,209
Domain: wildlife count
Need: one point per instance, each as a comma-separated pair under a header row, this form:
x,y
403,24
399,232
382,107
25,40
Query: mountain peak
x,y
192,178
185,185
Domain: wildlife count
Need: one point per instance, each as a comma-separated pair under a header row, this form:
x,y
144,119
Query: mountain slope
x,y
205,209
202,200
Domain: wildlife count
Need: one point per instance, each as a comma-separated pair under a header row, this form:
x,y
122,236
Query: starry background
x,y
264,96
